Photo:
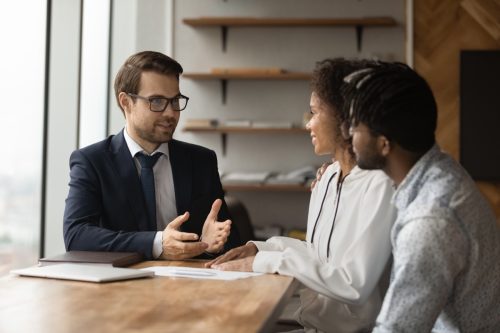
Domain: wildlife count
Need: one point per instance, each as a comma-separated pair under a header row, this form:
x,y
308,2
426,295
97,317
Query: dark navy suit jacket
x,y
105,208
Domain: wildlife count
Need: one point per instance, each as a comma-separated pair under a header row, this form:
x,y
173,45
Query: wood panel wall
x,y
442,28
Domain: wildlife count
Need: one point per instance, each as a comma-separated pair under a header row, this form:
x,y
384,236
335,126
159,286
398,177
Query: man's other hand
x,y
215,233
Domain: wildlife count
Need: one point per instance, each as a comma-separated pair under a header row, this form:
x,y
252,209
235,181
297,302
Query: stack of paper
x,y
283,179
298,176
237,123
266,232
198,273
272,124
232,178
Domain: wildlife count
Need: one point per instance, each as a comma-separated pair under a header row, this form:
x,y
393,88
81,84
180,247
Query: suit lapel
x,y
123,164
181,164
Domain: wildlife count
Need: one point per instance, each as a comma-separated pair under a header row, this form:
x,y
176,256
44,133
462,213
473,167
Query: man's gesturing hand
x,y
174,242
215,233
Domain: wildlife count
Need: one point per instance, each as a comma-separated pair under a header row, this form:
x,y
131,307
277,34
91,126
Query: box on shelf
x,y
201,123
265,232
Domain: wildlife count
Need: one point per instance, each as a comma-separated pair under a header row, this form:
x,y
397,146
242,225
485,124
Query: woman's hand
x,y
241,252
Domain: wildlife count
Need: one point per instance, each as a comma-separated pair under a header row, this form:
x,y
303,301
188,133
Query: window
x,y
94,71
22,64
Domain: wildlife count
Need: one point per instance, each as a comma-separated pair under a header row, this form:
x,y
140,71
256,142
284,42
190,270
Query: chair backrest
x,y
239,216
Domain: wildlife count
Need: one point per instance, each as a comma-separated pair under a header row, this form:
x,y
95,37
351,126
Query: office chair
x,y
239,216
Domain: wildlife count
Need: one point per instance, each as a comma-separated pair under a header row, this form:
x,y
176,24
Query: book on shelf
x,y
246,123
248,70
237,123
201,123
114,259
241,177
272,124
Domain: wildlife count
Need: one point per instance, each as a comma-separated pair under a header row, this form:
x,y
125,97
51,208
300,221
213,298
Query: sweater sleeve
x,y
353,278
279,243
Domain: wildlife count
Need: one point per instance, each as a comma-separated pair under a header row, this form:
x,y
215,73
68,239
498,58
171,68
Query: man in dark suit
x,y
141,190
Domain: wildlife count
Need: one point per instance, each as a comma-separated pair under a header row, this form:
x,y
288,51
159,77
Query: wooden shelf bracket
x,y
224,30
223,83
225,22
359,36
223,137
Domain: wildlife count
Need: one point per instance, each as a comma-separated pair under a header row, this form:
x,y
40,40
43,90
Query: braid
x,y
396,102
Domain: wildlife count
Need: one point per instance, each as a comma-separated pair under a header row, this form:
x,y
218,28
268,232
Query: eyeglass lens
x,y
160,104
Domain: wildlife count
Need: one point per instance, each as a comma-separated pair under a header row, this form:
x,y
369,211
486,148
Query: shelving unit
x,y
281,61
223,131
285,76
225,22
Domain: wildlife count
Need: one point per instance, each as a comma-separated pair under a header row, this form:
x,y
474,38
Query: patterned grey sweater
x,y
446,247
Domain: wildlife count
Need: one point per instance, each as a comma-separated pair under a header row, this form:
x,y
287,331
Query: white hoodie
x,y
347,250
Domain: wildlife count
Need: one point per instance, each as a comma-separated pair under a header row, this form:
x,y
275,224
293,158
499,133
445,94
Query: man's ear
x,y
385,144
124,102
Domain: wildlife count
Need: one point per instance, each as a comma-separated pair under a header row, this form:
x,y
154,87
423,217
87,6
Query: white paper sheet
x,y
198,273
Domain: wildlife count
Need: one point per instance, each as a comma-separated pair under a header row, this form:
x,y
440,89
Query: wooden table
x,y
159,304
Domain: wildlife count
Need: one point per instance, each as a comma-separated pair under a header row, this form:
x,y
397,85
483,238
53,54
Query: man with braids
x,y
446,245
350,217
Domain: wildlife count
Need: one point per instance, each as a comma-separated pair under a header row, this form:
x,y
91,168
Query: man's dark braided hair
x,y
393,100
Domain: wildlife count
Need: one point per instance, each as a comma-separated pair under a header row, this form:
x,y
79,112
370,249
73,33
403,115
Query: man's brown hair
x,y
129,75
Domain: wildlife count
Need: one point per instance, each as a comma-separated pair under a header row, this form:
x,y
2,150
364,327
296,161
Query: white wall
x,y
291,48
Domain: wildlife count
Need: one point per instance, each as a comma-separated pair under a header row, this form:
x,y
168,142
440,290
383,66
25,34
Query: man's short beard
x,y
373,162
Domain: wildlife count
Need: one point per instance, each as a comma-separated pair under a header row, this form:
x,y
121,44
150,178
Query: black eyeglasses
x,y
159,104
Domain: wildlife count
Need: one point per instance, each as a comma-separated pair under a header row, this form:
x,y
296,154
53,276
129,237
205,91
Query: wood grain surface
x,y
159,304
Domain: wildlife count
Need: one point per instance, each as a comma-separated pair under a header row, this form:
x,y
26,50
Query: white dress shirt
x,y
342,264
166,208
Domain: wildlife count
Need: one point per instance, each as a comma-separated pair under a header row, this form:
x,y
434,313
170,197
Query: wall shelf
x,y
223,131
285,76
266,188
225,22
251,130
249,76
